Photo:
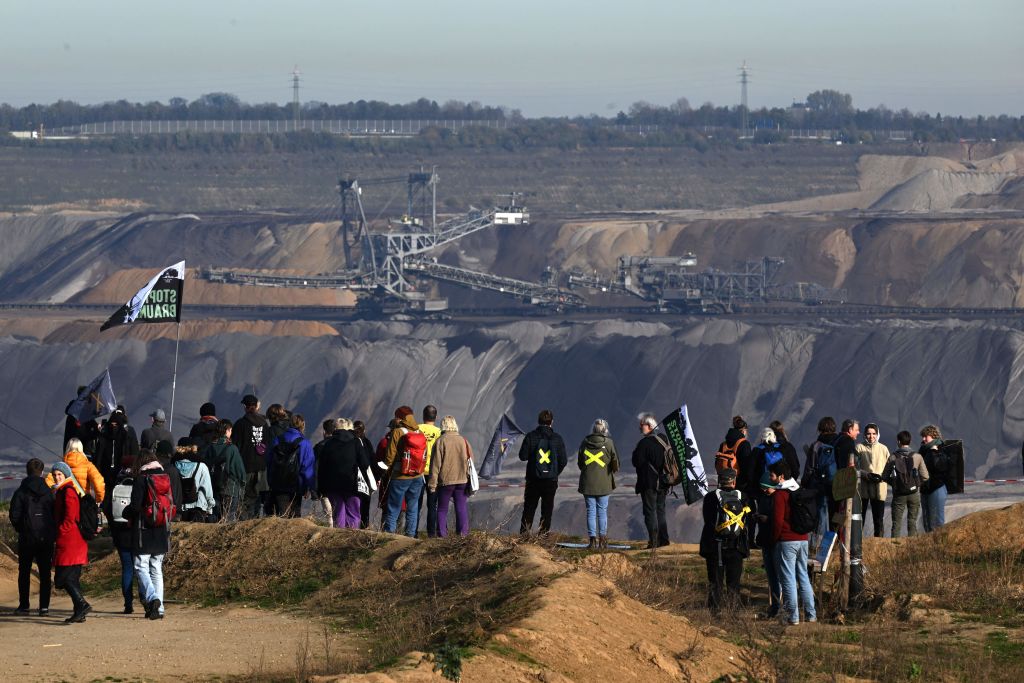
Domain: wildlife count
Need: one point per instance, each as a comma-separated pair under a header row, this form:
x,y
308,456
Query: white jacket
x,y
204,485
872,460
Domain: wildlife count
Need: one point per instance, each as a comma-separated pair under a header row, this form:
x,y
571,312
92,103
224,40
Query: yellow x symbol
x,y
545,456
593,457
732,518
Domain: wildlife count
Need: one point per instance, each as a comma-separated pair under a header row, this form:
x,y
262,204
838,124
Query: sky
x,y
545,58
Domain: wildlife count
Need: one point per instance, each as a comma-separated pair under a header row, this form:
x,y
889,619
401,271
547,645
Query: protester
x,y
227,473
250,434
165,456
87,432
651,485
449,477
118,444
197,501
790,549
736,453
32,516
767,452
121,531
343,460
327,427
543,451
872,456
820,469
290,468
359,429
388,445
149,514
907,473
204,432
933,492
70,550
724,539
598,461
405,459
765,507
785,445
156,432
86,474
431,434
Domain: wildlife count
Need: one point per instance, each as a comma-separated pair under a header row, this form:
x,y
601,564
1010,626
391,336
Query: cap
x,y
207,409
250,400
727,476
158,415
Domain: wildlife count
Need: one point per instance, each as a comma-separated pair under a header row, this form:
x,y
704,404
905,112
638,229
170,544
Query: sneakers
x,y
22,611
153,609
43,611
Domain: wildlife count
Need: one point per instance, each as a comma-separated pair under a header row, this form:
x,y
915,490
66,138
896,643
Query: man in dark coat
x,y
118,446
649,463
724,542
543,451
32,516
251,434
204,432
156,432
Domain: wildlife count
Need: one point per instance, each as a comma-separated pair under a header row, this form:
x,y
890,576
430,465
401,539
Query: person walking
x,y
156,432
118,445
872,456
907,474
290,468
724,543
149,512
790,549
342,461
543,451
651,485
933,492
449,477
86,475
32,516
70,550
121,531
598,461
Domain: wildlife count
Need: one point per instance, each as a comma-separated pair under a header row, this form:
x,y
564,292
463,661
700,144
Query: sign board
x,y
825,551
844,485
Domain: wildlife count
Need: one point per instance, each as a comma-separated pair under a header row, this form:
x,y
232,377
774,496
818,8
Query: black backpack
x,y
216,459
190,488
285,474
545,465
803,510
88,517
732,515
905,477
38,523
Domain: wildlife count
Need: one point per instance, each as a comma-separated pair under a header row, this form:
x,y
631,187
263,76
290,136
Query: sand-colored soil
x,y
55,331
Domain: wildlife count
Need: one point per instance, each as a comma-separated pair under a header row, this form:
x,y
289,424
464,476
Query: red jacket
x,y
71,548
781,530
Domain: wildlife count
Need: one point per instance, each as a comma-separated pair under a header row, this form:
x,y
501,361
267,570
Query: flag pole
x,y
174,378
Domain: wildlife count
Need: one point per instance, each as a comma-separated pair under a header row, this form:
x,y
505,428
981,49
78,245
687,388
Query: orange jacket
x,y
86,474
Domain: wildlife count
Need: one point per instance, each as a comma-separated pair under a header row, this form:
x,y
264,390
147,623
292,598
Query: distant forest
x,y
642,125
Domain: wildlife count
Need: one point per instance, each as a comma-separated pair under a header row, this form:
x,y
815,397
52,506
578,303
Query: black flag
x,y
157,302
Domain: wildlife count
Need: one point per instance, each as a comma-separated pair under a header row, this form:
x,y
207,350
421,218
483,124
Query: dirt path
x,y
190,643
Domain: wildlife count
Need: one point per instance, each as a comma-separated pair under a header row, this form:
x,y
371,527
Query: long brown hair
x,y
146,456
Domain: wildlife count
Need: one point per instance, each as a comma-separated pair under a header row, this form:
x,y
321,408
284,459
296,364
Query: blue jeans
x,y
128,576
791,565
823,519
772,574
150,570
597,515
933,508
409,491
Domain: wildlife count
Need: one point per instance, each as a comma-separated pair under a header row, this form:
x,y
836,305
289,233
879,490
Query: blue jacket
x,y
306,464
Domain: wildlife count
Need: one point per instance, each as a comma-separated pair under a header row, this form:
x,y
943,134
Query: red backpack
x,y
158,507
413,448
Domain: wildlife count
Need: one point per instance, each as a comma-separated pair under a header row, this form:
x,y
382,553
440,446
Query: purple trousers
x,y
445,494
346,510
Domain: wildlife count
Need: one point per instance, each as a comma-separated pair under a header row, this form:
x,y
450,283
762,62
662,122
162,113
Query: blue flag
x,y
94,400
503,441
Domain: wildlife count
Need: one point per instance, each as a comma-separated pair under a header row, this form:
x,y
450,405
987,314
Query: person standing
x,y
204,432
651,485
786,446
197,501
70,550
820,469
872,456
227,473
543,451
790,549
449,477
156,432
405,459
765,507
151,531
342,461
290,468
251,435
724,538
431,433
118,445
736,453
359,430
933,492
598,461
31,515
907,474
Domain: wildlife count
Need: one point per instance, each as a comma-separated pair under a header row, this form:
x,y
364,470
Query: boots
x,y
593,543
602,542
82,608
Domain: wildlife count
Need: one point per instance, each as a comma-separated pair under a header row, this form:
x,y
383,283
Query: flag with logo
x,y
158,302
504,440
684,446
94,400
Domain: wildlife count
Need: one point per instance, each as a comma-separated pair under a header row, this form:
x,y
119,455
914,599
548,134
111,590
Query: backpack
x,y
120,498
217,461
905,477
285,473
803,510
732,514
670,474
158,505
38,523
822,467
772,454
190,488
726,457
88,516
414,454
545,465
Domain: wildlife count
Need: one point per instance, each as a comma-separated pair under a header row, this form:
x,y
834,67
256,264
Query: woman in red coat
x,y
71,552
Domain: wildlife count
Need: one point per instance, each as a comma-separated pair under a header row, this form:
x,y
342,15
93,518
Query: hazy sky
x,y
549,57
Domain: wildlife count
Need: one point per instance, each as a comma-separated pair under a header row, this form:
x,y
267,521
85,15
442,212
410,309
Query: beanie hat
x,y
402,412
768,435
164,448
727,476
62,467
207,409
